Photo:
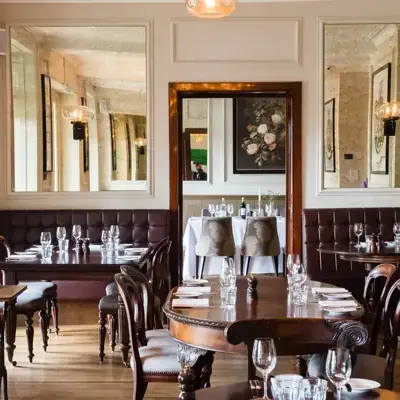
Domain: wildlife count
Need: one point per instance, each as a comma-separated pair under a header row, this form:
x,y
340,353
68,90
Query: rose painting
x,y
259,135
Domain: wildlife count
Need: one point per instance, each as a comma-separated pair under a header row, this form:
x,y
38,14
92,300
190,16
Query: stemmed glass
x,y
230,209
338,368
217,210
76,233
396,231
45,239
61,233
299,275
264,359
358,229
105,236
114,232
293,260
211,209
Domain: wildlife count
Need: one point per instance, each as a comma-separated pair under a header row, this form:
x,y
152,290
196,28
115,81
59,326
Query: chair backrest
x,y
293,337
128,290
146,293
261,237
205,212
376,288
5,250
216,238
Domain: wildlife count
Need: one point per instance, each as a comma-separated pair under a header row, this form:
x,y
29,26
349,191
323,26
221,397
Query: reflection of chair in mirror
x,y
216,240
205,212
260,240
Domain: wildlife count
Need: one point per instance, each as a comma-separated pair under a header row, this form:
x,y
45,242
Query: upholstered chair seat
x,y
216,240
29,302
260,240
46,288
205,212
109,304
158,360
111,288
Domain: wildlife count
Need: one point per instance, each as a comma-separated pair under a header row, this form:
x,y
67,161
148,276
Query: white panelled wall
x,y
260,42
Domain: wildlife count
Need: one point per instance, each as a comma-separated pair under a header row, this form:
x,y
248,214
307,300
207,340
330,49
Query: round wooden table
x,y
296,329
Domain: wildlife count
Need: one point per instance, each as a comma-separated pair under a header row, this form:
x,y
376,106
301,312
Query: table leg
x,y
3,370
188,357
11,327
123,332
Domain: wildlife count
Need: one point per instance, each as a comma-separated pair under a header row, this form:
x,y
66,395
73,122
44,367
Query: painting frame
x,y
47,123
330,106
253,151
378,142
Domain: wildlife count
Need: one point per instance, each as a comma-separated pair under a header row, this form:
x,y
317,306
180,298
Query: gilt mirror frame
x,y
320,188
6,104
293,92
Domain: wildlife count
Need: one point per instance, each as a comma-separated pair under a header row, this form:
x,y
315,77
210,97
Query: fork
x,y
255,388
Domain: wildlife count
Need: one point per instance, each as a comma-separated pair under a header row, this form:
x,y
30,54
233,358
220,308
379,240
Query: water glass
x,y
228,296
230,209
61,233
396,231
300,296
299,275
217,210
358,229
248,211
264,359
47,251
286,387
76,233
105,236
289,278
45,239
338,368
114,232
211,209
63,245
313,389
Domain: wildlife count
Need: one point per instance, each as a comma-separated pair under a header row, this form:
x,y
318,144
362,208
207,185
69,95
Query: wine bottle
x,y
243,209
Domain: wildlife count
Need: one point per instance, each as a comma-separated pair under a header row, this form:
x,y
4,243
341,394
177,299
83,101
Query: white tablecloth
x,y
212,265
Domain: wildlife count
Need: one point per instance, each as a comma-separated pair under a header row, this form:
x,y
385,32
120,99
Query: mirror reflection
x,y
79,108
361,64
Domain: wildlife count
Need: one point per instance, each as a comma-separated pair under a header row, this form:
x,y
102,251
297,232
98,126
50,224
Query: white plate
x,y
28,253
339,310
188,295
334,296
195,282
362,385
125,245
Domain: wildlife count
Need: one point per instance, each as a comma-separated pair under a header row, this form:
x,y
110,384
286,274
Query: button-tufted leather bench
x,y
22,229
335,225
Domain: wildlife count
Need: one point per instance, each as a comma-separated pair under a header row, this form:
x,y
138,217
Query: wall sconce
x,y
389,113
79,117
141,144
211,8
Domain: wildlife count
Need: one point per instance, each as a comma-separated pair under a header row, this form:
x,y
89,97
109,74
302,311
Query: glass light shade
x,y
78,113
390,110
211,8
140,142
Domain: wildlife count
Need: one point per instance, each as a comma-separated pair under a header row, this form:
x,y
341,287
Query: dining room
x,y
199,200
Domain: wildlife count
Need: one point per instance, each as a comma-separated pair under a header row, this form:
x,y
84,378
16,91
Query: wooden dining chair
x,y
152,362
380,367
260,240
376,289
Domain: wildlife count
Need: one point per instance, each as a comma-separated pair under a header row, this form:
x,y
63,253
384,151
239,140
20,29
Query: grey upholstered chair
x,y
205,212
260,240
216,240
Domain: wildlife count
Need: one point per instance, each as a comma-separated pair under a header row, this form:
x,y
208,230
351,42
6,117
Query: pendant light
x,y
211,8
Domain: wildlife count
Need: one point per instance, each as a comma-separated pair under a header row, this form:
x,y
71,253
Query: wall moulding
x,y
208,41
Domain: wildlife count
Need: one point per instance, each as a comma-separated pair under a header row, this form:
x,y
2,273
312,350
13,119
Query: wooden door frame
x,y
180,90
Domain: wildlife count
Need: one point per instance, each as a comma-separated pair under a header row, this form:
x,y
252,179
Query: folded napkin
x,y
194,289
35,249
130,257
22,257
337,303
328,290
190,303
130,250
95,246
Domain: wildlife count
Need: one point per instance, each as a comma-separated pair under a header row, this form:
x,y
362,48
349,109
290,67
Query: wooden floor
x,y
70,369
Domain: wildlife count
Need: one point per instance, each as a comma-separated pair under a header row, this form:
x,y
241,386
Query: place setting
x,y
192,294
335,300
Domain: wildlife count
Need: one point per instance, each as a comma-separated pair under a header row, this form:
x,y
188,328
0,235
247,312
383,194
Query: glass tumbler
x,y
313,389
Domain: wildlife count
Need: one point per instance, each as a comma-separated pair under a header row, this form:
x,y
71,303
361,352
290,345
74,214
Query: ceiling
x,y
108,57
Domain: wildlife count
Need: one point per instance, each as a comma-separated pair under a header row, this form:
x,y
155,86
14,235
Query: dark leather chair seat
x,y
111,289
109,304
28,302
48,289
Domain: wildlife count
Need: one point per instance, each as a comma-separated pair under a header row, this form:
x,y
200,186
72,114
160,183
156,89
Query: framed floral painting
x,y
259,135
329,136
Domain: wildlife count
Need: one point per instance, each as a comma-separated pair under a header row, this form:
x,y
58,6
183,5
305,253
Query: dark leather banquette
x,y
335,225
22,229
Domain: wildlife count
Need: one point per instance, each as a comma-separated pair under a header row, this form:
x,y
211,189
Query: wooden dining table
x,y
71,266
305,329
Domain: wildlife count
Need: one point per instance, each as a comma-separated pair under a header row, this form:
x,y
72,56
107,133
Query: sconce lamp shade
x,y
211,8
389,113
140,142
81,114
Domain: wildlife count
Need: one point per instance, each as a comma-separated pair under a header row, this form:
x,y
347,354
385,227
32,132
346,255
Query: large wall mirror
x,y
79,109
361,72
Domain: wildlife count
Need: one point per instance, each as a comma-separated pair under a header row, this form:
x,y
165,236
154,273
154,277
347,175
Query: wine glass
x,y
61,233
114,232
338,368
217,210
45,239
396,231
358,229
264,359
230,209
76,233
104,236
211,209
299,275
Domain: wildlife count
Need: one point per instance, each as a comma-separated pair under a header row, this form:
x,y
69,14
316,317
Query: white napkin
x,y
131,257
95,246
190,303
130,250
35,249
22,257
328,290
194,289
338,303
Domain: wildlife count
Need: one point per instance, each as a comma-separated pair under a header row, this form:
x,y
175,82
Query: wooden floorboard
x,y
70,370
